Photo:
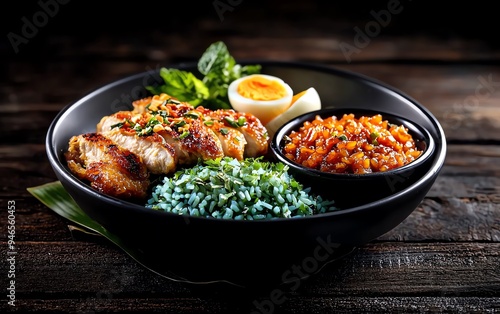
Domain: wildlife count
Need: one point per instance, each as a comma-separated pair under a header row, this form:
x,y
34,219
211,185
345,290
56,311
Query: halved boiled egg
x,y
264,96
303,102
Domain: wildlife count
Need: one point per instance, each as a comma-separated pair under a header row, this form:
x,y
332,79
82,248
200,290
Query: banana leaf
x,y
54,196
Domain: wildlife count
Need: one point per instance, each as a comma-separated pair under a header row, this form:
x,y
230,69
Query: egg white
x,y
264,110
309,101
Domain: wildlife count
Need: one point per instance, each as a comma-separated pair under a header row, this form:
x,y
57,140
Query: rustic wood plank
x,y
459,100
452,219
442,273
391,305
473,160
435,219
338,47
450,269
309,305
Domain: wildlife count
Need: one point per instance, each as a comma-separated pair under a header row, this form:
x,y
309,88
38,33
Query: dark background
x,y
141,22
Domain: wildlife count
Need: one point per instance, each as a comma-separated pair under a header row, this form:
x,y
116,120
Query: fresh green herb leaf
x,y
182,85
217,68
216,59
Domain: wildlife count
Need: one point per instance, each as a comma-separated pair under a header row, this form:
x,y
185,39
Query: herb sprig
x,y
208,88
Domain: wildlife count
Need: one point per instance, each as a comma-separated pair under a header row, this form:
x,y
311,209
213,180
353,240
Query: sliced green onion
x,y
184,135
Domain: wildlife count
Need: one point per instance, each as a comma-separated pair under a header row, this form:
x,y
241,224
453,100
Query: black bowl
x,y
247,253
348,189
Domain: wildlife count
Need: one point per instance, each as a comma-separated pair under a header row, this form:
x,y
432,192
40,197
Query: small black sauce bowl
x,y
350,190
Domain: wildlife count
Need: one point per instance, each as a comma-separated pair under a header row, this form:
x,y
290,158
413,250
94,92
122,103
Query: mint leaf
x,y
183,85
216,59
218,69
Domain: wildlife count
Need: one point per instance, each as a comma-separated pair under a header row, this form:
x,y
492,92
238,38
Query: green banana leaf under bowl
x,y
248,253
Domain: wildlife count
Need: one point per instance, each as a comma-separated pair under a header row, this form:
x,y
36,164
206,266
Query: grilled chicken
x,y
192,140
232,140
184,140
109,168
157,155
254,132
155,137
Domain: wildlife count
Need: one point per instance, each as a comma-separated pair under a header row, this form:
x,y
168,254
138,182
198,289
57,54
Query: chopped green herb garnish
x,y
192,115
235,124
374,136
179,123
163,113
227,188
117,125
231,122
184,135
242,121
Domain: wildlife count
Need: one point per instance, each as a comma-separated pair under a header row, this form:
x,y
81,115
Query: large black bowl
x,y
246,253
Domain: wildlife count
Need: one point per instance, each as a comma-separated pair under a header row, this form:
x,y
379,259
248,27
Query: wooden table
x,y
444,257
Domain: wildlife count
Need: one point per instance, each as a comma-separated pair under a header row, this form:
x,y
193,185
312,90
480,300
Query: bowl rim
x,y
298,121
439,158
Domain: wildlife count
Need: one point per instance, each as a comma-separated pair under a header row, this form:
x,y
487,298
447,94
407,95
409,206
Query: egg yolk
x,y
261,88
297,96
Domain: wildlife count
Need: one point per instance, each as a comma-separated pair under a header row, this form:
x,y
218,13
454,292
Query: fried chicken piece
x,y
158,156
186,138
253,130
238,141
155,103
159,134
232,140
192,140
109,168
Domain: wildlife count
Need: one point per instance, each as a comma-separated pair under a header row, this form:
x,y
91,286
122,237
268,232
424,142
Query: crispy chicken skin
x,y
155,137
158,156
232,140
254,132
192,141
183,140
109,168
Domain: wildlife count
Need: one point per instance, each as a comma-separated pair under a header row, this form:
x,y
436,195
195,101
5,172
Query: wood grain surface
x,y
444,257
